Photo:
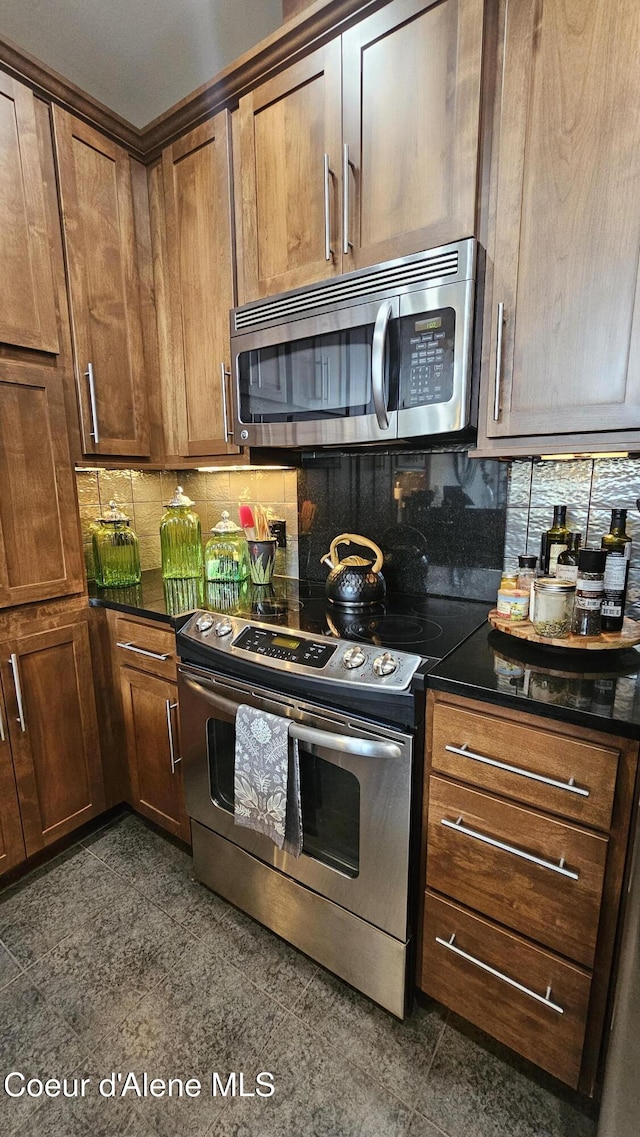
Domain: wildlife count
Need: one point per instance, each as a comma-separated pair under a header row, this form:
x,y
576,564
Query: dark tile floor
x,y
113,959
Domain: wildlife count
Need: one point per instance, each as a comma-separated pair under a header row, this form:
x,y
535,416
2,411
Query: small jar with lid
x,y
181,539
553,605
226,556
527,565
587,611
115,549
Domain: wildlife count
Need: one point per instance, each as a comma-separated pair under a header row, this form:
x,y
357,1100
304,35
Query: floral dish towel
x,y
267,778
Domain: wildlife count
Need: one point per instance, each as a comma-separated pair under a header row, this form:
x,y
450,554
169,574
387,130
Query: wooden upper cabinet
x,y
411,91
567,223
289,130
104,288
28,316
12,850
40,549
196,174
53,729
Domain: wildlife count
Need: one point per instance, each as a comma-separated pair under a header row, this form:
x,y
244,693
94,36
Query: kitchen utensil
x,y
355,581
245,513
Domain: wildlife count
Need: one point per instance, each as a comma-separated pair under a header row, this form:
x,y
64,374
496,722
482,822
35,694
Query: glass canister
x,y
587,612
553,606
181,539
226,557
115,550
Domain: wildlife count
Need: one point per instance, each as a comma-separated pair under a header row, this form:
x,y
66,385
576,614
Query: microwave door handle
x,y
378,352
364,747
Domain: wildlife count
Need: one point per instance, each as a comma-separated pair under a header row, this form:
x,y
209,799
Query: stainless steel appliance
x,y
356,707
380,354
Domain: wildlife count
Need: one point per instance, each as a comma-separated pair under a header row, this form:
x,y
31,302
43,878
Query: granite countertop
x,y
600,690
154,598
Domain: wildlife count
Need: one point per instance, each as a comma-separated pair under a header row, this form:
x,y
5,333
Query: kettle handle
x,y
347,538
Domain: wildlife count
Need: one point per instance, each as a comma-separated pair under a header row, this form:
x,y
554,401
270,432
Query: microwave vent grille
x,y
426,270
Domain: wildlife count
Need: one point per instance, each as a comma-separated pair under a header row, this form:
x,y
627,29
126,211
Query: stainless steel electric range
x,y
352,688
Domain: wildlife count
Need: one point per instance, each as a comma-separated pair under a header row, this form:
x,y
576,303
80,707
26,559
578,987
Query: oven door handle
x,y
363,747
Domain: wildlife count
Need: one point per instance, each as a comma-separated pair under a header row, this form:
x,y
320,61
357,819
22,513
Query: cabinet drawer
x,y
499,982
552,771
146,647
539,876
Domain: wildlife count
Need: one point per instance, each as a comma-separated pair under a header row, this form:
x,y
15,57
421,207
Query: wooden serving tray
x,y
607,641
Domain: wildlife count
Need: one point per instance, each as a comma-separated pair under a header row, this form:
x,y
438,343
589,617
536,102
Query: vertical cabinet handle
x,y
346,167
16,682
224,375
172,746
94,432
328,173
3,736
500,329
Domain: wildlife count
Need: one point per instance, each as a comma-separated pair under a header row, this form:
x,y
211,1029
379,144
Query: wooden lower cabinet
x,y
51,726
526,826
151,724
12,850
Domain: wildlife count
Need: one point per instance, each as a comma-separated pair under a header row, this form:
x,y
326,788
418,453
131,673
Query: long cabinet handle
x,y
500,329
143,651
224,374
546,999
3,736
569,786
346,167
94,432
172,746
513,849
328,173
16,682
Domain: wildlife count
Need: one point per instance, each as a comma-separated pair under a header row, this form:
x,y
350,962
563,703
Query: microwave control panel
x,y
427,357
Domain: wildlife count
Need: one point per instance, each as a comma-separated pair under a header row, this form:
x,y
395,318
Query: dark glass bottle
x,y
567,567
617,545
557,539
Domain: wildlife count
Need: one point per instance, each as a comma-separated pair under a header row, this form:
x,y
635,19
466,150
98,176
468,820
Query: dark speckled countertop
x,y
600,690
153,598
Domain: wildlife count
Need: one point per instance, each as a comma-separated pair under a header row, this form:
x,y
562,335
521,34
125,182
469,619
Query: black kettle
x,y
355,581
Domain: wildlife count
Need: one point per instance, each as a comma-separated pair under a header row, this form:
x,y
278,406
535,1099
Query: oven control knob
x,y
385,664
203,623
223,628
353,657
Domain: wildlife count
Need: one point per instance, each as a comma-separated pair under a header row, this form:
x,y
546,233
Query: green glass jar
x,y
115,550
181,539
226,557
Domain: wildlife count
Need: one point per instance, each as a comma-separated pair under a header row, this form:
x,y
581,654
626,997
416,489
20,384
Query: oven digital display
x,y
284,641
430,325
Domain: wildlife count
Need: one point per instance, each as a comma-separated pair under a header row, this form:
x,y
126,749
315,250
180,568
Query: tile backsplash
x,y
590,488
143,495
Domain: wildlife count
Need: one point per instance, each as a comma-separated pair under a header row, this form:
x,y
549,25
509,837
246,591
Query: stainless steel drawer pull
x,y
496,397
346,168
94,432
546,999
2,734
569,786
224,374
143,651
328,173
172,746
551,865
16,682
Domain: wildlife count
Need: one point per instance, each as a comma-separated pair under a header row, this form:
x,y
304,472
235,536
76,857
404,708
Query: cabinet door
x,y
151,725
411,81
289,131
197,194
54,733
27,297
12,850
567,221
104,288
40,551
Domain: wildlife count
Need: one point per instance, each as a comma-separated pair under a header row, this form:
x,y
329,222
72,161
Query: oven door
x,y
325,379
355,782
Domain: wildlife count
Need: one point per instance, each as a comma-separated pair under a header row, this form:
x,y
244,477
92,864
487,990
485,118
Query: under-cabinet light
x,y
249,469
591,454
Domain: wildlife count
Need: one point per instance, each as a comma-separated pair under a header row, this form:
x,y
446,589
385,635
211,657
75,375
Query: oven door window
x,y
330,797
321,377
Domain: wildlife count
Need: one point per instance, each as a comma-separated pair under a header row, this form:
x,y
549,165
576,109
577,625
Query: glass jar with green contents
x,y
115,549
181,539
553,606
226,557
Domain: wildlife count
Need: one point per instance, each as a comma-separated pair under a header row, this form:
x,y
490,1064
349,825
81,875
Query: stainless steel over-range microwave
x,y
381,354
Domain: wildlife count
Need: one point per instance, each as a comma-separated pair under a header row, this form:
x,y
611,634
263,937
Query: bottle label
x,y
567,572
610,608
589,585
554,552
615,573
589,603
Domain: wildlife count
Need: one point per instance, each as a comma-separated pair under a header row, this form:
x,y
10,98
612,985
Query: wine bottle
x,y
617,545
567,567
557,539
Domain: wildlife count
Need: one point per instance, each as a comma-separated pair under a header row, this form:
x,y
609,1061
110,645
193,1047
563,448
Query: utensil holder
x,y
262,558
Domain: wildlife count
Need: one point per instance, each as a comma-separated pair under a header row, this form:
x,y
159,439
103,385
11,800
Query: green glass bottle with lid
x,y
226,556
181,539
115,549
